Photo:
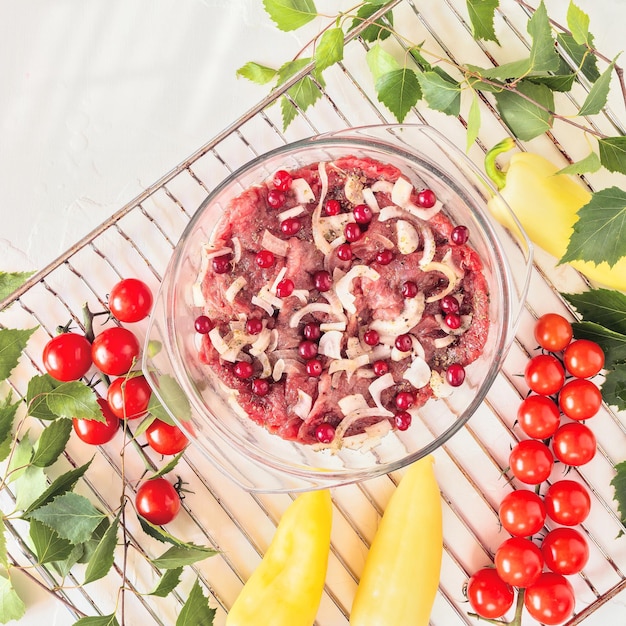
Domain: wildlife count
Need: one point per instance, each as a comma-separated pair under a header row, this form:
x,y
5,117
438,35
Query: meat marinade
x,y
340,297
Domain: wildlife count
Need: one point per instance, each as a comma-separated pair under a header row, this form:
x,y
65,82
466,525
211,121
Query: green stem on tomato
x,y
519,607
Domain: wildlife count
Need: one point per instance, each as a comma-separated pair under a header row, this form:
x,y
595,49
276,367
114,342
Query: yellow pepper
x,y
401,573
546,204
286,588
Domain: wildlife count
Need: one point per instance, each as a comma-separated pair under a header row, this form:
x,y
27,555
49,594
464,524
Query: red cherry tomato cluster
x,y
561,397
114,352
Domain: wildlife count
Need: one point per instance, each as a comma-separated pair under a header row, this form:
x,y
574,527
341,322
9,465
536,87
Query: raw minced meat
x,y
405,275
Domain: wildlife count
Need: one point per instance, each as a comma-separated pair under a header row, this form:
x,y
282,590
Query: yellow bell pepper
x,y
546,204
286,588
401,573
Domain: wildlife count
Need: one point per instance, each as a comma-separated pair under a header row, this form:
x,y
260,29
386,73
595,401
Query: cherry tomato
x,y
488,595
565,551
522,513
94,432
583,358
567,502
157,501
531,461
553,332
544,374
518,561
538,416
580,399
574,444
130,300
129,397
550,600
165,438
115,350
67,356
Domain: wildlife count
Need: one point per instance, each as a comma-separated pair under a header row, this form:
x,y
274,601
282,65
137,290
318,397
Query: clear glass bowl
x,y
246,452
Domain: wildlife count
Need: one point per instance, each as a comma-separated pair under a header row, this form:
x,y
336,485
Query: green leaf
x,y
37,395
578,23
378,30
59,486
290,14
98,620
52,442
175,399
598,94
591,163
179,556
613,344
12,343
29,486
440,94
4,560
196,610
71,515
619,485
48,545
614,388
103,557
64,567
613,153
91,545
380,62
605,307
329,50
600,232
11,605
20,461
168,582
556,82
527,115
260,74
399,91
303,94
10,281
74,399
144,425
482,14
7,417
168,467
580,55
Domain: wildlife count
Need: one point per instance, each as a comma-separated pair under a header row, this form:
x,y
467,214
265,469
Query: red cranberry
x,y
332,207
260,387
254,326
384,257
311,331
290,227
314,367
452,320
221,263
307,349
402,420
371,337
380,367
325,432
404,343
352,232
426,198
409,289
243,370
459,235
455,375
362,214
275,198
284,288
344,252
322,280
282,180
404,400
449,304
264,258
203,324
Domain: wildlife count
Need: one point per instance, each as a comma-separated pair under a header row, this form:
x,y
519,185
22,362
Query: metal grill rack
x,y
138,240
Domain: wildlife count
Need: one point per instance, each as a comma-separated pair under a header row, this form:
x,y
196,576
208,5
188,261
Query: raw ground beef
x,y
294,403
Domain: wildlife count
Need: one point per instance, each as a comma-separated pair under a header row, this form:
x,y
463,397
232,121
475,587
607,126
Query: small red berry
x,y
290,227
203,324
380,367
384,257
314,367
409,289
264,258
459,235
285,288
332,207
449,304
371,337
404,400
404,343
362,214
260,387
344,252
426,198
311,331
455,375
282,180
254,326
452,321
307,349
275,198
352,232
322,280
402,420
243,370
221,263
325,432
